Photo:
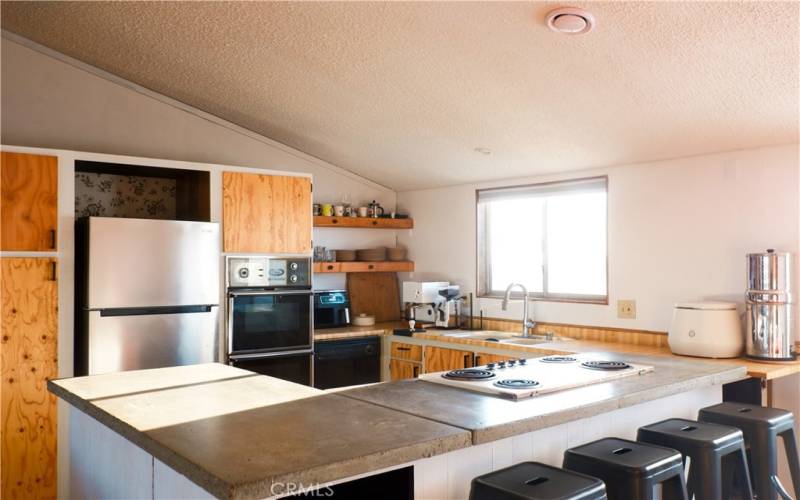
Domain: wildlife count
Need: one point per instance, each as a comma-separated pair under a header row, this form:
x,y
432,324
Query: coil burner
x,y
469,375
515,383
558,359
606,365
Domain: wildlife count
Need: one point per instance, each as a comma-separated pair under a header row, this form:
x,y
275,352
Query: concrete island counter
x,y
216,431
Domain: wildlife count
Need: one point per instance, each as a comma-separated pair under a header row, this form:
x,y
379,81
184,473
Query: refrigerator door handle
x,y
148,311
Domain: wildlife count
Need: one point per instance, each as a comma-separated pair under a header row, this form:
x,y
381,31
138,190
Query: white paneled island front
x,y
215,431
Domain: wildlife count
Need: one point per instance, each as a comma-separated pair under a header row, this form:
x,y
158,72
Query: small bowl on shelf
x,y
396,254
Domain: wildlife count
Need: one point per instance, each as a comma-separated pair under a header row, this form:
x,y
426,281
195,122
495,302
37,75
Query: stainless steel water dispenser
x,y
770,306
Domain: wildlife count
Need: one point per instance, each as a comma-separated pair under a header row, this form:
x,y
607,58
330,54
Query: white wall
x,y
50,103
678,230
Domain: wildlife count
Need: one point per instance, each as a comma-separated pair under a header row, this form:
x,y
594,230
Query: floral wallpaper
x,y
109,195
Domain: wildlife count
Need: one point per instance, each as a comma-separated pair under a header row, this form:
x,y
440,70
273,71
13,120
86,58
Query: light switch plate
x,y
626,309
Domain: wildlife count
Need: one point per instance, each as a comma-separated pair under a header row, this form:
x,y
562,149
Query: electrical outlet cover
x,y
626,309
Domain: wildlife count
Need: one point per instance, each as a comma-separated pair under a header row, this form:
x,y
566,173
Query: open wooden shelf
x,y
363,267
363,222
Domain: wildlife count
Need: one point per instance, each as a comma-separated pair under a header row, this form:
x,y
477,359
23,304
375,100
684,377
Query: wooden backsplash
x,y
580,332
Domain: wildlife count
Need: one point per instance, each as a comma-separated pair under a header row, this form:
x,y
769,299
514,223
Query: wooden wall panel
x,y
266,213
29,358
598,333
28,203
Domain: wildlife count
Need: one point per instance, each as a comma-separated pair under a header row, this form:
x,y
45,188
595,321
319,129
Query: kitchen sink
x,y
487,336
525,341
503,337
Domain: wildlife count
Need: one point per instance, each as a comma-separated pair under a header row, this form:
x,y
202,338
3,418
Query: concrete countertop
x,y
236,433
493,418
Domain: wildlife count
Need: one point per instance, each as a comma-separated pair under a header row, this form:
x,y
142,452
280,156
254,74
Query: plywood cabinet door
x,y
400,370
28,203
29,317
266,213
438,359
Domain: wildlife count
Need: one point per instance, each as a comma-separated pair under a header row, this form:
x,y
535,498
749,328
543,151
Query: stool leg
x,y
790,445
745,473
674,488
764,464
706,475
691,479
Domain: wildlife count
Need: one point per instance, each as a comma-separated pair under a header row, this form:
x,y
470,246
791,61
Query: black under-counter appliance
x,y
339,363
331,309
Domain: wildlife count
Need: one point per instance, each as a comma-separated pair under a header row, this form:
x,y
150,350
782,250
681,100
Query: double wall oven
x,y
270,316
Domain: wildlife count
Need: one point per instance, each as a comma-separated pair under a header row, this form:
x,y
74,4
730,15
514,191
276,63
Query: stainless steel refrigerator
x,y
147,294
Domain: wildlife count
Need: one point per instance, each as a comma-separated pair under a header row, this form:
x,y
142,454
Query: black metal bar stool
x,y
535,481
707,445
630,470
761,427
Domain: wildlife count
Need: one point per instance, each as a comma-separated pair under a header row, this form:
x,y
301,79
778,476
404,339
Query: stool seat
x,y
749,415
693,433
707,444
630,470
761,427
536,481
629,456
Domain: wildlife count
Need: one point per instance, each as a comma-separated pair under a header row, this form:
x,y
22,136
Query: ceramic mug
x,y
338,210
327,209
362,211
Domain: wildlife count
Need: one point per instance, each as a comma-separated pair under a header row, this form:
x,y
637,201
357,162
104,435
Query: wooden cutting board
x,y
377,294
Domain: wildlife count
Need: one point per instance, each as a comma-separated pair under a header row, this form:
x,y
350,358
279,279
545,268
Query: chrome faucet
x,y
527,323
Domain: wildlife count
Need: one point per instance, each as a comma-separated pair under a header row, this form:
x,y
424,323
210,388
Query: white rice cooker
x,y
706,329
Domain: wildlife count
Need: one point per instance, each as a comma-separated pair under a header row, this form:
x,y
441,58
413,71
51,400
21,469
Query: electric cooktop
x,y
525,378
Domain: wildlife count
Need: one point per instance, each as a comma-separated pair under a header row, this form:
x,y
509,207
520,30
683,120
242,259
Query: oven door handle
x,y
270,292
262,355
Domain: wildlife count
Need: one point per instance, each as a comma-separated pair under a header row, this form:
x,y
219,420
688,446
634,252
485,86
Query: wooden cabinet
x,y
483,358
410,352
29,319
406,360
400,369
438,359
266,213
28,202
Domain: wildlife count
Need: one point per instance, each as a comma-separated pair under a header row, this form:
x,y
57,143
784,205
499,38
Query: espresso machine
x,y
434,303
769,314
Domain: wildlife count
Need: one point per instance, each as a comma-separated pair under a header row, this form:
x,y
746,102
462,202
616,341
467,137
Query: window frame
x,y
483,259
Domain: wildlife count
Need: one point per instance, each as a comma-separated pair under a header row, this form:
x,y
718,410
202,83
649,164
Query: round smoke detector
x,y
570,21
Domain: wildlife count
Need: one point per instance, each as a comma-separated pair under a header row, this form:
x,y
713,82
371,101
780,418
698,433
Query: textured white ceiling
x,y
402,93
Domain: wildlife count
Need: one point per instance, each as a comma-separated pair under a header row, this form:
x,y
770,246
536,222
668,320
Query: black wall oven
x,y
269,321
270,317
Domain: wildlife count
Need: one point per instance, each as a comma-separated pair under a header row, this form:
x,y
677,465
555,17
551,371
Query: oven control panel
x,y
271,272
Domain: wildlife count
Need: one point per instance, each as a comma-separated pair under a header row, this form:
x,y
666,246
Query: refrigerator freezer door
x,y
135,342
146,263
